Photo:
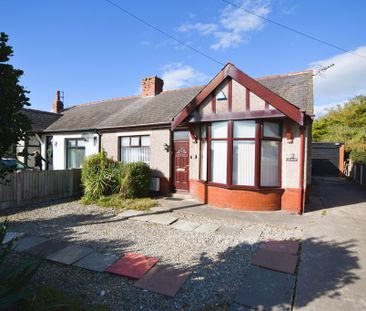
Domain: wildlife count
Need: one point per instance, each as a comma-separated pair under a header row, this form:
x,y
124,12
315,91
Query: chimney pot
x,y
151,86
58,105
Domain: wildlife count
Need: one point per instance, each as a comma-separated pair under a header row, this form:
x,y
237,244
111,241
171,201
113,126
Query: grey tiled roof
x,y
297,88
160,109
40,119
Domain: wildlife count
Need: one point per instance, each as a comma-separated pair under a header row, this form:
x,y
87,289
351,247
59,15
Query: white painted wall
x,y
59,147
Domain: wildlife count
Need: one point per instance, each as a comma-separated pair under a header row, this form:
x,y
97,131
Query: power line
x,y
294,30
164,33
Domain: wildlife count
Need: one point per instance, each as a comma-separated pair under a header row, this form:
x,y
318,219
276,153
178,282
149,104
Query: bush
x,y
136,180
101,175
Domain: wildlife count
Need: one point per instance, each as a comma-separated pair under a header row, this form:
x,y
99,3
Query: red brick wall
x,y
264,200
249,200
151,86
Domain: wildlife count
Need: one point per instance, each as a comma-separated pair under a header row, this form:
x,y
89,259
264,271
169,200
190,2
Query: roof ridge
x,y
285,74
105,100
43,111
184,88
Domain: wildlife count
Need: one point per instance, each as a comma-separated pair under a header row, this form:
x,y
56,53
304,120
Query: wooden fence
x,y
358,173
29,187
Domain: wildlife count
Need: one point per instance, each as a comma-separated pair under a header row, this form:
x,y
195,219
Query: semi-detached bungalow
x,y
236,142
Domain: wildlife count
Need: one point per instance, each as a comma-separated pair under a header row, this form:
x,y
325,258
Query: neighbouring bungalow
x,y
237,142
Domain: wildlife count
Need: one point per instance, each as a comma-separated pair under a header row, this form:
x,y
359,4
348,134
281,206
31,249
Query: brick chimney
x,y
58,105
151,86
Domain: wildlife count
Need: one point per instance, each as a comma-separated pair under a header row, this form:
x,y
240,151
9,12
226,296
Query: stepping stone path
x,y
251,235
10,236
46,248
70,254
229,230
207,228
97,261
163,280
163,219
270,282
132,265
27,242
185,225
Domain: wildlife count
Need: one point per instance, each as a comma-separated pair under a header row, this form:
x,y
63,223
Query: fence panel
x,y
28,187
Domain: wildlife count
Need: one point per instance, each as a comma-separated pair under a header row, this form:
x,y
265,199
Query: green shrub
x,y
101,175
136,180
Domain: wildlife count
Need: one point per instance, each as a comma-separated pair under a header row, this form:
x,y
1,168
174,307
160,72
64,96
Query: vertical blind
x,y
218,161
243,162
269,163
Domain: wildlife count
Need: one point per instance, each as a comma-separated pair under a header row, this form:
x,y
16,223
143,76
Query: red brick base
x,y
248,200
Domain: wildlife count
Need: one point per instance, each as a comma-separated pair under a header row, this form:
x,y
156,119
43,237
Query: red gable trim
x,y
254,86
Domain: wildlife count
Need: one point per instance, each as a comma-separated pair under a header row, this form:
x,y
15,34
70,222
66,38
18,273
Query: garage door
x,y
325,159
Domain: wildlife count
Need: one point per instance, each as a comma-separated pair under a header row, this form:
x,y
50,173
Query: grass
x,y
50,298
117,202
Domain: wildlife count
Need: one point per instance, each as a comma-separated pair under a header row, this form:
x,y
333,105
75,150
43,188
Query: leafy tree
x,y
13,97
346,124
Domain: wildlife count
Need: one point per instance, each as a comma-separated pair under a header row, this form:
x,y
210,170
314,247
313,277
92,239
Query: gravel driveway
x,y
218,262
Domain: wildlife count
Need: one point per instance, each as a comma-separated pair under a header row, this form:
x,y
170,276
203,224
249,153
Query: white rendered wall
x,y
59,147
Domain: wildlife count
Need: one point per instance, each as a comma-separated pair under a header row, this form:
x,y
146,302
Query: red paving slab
x,y
273,260
286,246
132,265
163,280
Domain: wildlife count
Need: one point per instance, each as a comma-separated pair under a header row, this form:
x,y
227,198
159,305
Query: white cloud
x,y
178,75
346,79
204,29
233,24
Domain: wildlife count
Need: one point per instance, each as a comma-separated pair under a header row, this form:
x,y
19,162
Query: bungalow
x,y
236,142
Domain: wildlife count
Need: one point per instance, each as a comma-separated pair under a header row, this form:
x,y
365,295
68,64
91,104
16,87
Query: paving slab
x,y
27,243
229,230
207,228
185,225
97,261
70,254
163,219
46,248
129,213
9,236
266,290
277,261
132,265
251,235
161,209
163,280
143,218
286,246
237,307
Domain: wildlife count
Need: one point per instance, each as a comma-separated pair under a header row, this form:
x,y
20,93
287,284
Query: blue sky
x,y
92,51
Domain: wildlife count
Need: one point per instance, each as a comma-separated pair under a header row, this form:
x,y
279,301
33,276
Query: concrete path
x,y
332,272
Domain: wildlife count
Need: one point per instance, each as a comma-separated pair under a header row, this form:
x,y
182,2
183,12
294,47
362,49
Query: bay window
x,y
241,153
135,149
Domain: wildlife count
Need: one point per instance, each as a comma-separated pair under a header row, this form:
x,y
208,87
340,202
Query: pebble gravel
x,y
218,262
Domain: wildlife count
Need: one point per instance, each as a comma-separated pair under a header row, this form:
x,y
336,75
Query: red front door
x,y
181,165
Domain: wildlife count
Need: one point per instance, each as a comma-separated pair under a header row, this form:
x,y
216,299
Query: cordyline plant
x,y
14,279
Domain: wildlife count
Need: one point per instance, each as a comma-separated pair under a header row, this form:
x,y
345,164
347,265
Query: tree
x,y
13,97
346,124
